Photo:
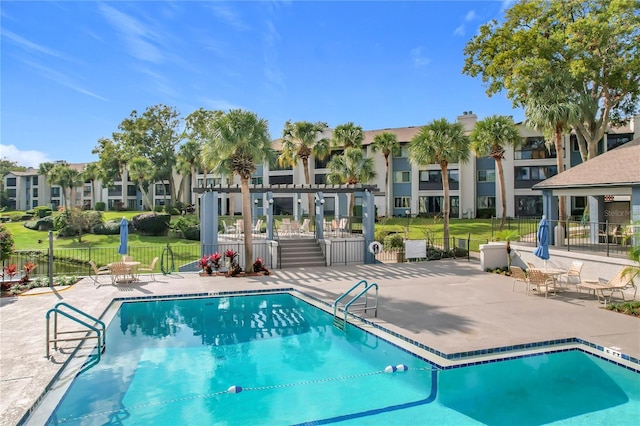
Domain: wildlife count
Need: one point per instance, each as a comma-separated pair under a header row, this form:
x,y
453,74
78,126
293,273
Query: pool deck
x,y
451,306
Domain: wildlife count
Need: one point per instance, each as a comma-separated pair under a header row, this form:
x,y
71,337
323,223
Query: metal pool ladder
x,y
98,328
341,323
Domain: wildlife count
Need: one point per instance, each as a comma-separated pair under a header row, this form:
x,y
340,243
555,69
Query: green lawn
x,y
419,228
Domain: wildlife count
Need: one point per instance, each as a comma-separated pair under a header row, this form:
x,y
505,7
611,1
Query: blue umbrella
x,y
124,236
542,251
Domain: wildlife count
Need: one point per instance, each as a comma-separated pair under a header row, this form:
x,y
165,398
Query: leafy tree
x,y
7,166
239,140
301,140
352,166
111,162
491,136
6,243
590,45
387,143
65,177
441,142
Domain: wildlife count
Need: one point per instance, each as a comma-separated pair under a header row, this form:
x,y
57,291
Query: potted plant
x,y
258,266
204,264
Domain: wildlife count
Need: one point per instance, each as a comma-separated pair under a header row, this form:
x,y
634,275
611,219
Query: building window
x,y
535,172
432,206
404,151
131,204
55,191
402,202
11,192
322,163
487,175
402,177
256,180
430,176
34,191
55,204
320,179
486,207
281,180
614,141
162,189
534,148
11,181
132,191
528,205
34,181
274,166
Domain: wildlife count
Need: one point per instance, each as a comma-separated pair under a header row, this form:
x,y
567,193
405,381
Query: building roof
x,y
618,167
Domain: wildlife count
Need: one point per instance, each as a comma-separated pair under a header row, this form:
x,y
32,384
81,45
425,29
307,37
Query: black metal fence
x,y
603,238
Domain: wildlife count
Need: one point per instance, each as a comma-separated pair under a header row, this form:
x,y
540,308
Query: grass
x,y
419,228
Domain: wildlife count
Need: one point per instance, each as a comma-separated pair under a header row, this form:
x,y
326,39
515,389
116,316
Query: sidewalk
x,y
447,305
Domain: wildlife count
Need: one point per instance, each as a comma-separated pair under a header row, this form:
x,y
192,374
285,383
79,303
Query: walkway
x,y
448,305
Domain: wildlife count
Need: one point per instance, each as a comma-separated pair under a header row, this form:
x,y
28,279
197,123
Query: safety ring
x,y
375,247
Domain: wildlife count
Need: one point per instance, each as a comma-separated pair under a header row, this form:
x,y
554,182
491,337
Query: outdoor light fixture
x,y
255,201
299,201
322,201
270,200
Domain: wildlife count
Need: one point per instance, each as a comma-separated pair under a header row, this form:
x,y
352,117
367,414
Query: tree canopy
x,y
590,48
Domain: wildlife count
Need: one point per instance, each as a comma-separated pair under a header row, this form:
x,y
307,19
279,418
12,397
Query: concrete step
x,y
300,253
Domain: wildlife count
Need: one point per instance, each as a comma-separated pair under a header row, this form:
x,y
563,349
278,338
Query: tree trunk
x,y
307,180
503,196
248,228
387,188
445,203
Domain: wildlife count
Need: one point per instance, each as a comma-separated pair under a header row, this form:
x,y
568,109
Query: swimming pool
x,y
276,359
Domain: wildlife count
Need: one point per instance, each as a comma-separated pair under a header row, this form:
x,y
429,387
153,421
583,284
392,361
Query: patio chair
x,y
618,284
228,229
257,229
572,276
120,272
540,280
239,227
97,272
149,268
304,228
518,275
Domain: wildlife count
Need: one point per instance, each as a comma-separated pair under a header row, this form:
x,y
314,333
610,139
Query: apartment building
x,y
413,190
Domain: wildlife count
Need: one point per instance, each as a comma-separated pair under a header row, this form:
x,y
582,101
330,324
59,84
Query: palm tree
x,y
491,136
66,178
441,142
91,173
300,140
347,136
188,159
239,141
387,143
553,115
351,168
142,170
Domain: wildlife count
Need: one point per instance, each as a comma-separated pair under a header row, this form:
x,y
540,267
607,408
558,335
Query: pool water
x,y
173,362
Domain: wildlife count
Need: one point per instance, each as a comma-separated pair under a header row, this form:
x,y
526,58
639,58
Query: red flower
x,y
11,269
230,254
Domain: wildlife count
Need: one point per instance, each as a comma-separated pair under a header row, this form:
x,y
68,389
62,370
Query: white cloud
x,y
229,16
460,30
30,158
29,45
218,104
418,58
470,16
506,4
141,41
62,79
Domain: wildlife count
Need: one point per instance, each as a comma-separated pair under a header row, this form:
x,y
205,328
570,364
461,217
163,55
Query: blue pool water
x,y
172,362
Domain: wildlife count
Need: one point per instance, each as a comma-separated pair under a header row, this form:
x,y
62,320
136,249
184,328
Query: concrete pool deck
x,y
451,306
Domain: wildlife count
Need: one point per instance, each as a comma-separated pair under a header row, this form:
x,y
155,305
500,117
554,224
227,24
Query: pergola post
x,y
368,223
319,216
269,214
208,222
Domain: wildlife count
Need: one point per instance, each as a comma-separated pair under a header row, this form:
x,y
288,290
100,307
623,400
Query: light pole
x,y
255,211
408,214
299,209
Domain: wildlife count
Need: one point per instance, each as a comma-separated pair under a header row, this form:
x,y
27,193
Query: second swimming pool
x,y
275,359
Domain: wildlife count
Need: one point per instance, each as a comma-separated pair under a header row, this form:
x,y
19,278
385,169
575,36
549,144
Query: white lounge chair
x,y
618,284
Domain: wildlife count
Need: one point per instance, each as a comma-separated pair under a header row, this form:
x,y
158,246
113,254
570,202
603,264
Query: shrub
x,y
393,241
152,223
42,224
192,233
6,243
100,206
380,235
16,217
183,222
110,227
179,205
158,209
172,211
42,211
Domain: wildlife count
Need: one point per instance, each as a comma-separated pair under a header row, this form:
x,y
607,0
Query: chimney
x,y
468,120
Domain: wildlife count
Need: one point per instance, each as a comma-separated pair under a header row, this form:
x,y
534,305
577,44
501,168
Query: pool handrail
x,y
100,332
345,294
364,292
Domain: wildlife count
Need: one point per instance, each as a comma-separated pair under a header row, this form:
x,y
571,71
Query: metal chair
x,y
540,280
97,272
150,268
518,275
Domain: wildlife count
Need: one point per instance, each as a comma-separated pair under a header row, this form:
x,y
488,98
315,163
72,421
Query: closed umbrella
x,y
542,251
124,237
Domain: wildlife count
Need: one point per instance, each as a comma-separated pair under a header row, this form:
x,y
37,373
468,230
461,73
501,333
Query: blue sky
x,y
72,71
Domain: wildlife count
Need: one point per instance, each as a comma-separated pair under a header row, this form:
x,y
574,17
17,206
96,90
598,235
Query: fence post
x,y
50,258
469,247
